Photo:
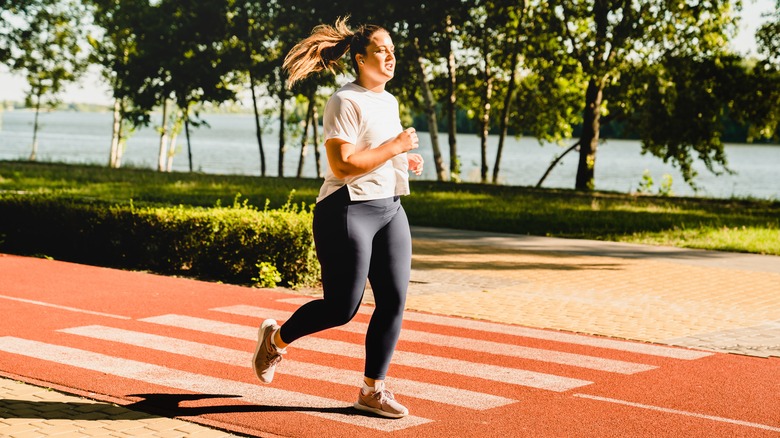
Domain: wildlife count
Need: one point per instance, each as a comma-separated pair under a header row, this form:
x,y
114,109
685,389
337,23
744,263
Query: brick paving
x,y
715,301
28,411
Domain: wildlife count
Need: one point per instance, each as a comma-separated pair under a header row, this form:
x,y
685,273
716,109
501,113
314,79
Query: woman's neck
x,y
376,87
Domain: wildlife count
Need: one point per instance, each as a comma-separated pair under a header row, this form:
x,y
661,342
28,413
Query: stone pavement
x,y
709,300
32,411
725,302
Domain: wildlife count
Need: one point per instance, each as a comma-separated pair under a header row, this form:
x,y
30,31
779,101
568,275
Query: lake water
x,y
229,147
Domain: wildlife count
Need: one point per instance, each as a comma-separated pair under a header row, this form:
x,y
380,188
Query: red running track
x,y
182,348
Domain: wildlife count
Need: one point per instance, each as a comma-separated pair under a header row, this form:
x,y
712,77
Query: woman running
x,y
360,228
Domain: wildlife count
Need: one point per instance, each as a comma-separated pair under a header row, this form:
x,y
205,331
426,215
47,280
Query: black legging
x,y
356,240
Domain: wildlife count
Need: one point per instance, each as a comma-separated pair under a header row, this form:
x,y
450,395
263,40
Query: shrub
x,y
228,244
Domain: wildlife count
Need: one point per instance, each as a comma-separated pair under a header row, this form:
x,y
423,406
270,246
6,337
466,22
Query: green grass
x,y
741,225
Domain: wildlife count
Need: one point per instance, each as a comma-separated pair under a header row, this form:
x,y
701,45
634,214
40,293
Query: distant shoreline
x,y
238,110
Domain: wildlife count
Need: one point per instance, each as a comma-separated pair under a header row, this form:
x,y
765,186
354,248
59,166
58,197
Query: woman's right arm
x,y
345,162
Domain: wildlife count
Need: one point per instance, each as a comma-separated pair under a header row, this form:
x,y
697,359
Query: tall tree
x,y
147,78
254,31
112,50
292,23
513,58
15,16
768,36
503,46
428,105
198,72
424,37
608,37
765,107
183,56
485,38
452,101
49,52
681,109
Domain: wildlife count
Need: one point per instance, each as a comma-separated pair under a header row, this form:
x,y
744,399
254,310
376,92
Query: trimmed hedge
x,y
234,244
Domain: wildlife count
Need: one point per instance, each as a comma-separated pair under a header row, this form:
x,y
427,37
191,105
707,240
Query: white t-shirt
x,y
365,119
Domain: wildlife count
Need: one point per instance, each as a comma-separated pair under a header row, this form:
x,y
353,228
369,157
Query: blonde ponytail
x,y
324,47
320,51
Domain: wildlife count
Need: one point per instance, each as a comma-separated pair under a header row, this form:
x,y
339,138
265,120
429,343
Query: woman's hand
x,y
415,163
345,162
408,140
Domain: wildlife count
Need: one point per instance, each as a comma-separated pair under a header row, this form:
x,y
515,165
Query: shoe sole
x,y
386,414
260,339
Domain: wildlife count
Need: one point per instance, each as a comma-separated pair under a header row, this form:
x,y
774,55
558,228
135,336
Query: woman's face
x,y
377,66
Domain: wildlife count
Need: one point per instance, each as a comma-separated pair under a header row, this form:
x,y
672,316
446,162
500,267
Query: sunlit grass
x,y
758,240
718,224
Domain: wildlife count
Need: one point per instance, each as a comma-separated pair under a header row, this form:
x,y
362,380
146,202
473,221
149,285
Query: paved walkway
x,y
717,301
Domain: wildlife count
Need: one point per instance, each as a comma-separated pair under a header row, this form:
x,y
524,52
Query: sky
x,y
92,89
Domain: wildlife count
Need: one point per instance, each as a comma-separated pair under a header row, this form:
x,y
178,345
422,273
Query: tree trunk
x,y
282,122
430,112
510,92
121,144
316,140
172,147
589,139
485,119
115,134
34,152
451,113
555,162
258,127
305,136
162,154
187,134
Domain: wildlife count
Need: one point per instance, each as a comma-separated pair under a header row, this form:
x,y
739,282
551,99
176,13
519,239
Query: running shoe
x,y
381,402
267,356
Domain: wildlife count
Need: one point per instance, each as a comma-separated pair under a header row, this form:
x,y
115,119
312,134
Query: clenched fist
x,y
408,139
415,163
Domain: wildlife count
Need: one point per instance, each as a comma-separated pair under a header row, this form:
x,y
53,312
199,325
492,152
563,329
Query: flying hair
x,y
324,47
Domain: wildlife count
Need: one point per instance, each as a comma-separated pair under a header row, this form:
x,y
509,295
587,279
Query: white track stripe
x,y
436,393
549,335
550,356
57,306
678,412
158,375
511,376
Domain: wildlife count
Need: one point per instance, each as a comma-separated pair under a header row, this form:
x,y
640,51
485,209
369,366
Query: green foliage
x,y
146,187
229,244
598,216
46,47
268,275
768,37
760,105
646,185
518,210
666,186
538,57
49,50
756,239
611,40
